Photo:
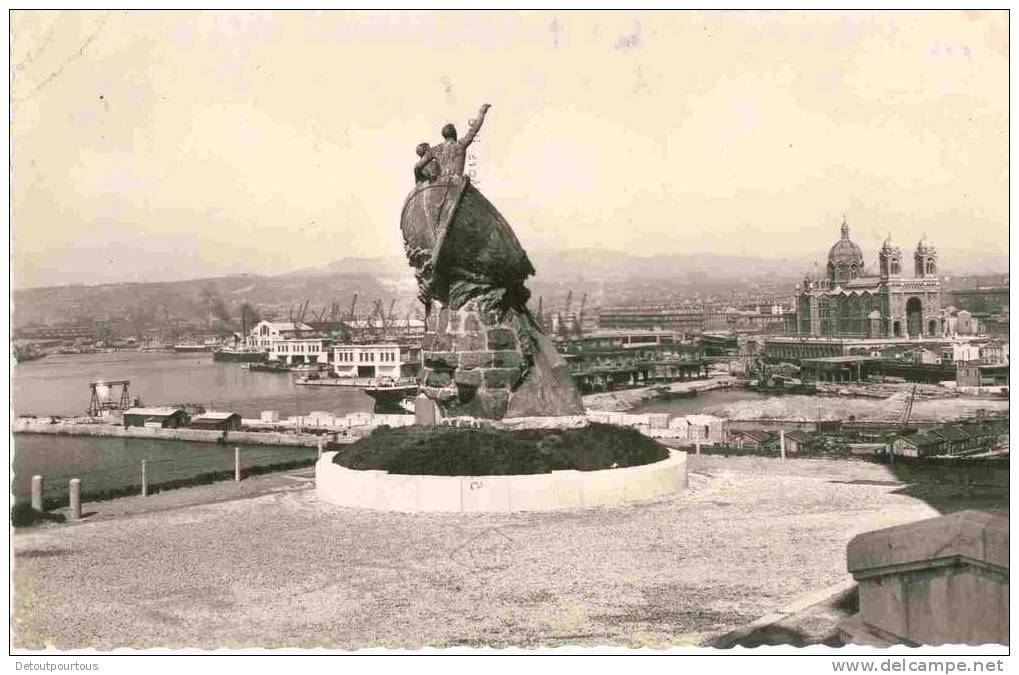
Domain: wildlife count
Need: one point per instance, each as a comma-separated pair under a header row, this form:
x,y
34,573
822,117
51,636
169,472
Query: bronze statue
x,y
451,154
484,354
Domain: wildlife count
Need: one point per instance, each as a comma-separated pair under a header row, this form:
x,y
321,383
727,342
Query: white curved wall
x,y
383,491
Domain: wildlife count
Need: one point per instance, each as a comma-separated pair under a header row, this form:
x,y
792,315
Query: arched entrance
x,y
914,317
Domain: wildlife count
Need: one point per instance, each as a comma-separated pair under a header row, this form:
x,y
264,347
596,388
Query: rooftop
x,y
216,416
842,359
162,411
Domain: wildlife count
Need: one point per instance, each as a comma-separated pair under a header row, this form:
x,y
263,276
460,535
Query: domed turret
x,y
890,259
925,259
845,259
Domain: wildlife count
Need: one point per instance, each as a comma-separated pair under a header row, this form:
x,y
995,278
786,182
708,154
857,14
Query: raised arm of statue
x,y
475,126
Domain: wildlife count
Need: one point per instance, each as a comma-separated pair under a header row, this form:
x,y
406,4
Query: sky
x,y
153,146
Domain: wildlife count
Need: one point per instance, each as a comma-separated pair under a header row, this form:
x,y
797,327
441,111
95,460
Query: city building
x,y
680,318
265,333
373,361
972,374
288,342
850,302
839,368
988,300
294,351
616,339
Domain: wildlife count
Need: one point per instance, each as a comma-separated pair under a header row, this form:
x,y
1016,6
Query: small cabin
x,y
217,421
752,439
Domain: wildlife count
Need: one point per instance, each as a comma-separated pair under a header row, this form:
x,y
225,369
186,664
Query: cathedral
x,y
852,303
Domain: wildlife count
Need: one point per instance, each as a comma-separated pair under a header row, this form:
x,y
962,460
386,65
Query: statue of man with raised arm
x,y
484,355
451,154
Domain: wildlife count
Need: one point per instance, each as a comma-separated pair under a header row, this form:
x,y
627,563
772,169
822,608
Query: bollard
x,y
781,442
697,444
320,447
37,482
74,496
237,465
145,479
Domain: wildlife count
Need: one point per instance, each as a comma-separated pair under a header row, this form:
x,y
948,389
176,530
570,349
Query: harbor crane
x,y
563,316
351,316
303,311
578,327
907,409
102,396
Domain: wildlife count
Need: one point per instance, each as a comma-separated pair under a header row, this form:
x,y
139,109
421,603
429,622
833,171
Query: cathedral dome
x,y
845,251
845,259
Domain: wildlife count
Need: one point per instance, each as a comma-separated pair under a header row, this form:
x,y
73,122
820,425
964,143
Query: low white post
x,y
145,479
781,442
697,444
74,497
320,447
37,482
237,465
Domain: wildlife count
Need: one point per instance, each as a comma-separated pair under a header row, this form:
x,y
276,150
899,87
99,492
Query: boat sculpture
x,y
484,354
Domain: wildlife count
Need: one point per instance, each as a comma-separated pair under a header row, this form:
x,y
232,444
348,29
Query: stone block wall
x,y
938,581
470,364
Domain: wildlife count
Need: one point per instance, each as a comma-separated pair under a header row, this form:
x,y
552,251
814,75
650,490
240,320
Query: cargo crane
x,y
907,409
578,324
303,311
560,326
102,396
351,316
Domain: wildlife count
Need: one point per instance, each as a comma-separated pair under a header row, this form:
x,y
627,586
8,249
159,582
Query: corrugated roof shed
x,y
216,415
164,411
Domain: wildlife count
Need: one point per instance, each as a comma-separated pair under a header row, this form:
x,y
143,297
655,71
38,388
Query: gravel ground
x,y
282,570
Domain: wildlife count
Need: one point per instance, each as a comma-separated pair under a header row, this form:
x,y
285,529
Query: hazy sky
x,y
167,145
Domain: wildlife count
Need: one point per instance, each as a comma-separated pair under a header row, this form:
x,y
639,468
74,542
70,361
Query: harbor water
x,y
58,385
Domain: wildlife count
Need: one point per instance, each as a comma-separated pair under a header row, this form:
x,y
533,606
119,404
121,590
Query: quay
x,y
298,431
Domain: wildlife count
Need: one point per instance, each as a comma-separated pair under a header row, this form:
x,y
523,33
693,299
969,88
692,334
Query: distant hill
x,y
607,277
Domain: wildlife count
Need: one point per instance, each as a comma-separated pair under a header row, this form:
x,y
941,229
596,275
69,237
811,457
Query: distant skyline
x,y
153,146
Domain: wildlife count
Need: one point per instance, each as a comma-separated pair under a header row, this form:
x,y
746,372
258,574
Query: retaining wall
x,y
30,426
382,491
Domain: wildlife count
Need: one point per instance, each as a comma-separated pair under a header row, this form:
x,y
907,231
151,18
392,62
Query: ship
x,y
239,355
267,367
393,398
190,347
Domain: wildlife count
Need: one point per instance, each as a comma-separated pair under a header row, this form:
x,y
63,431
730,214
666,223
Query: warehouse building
x,y
164,417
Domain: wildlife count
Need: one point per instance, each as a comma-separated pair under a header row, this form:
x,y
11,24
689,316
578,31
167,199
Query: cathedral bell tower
x,y
890,259
925,260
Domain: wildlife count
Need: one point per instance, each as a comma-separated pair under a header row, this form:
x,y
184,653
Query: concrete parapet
x,y
381,491
938,581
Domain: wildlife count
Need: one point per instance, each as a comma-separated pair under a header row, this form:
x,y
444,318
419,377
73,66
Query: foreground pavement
x,y
275,568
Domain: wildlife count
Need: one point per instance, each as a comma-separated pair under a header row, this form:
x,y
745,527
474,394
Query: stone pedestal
x,y
475,366
938,581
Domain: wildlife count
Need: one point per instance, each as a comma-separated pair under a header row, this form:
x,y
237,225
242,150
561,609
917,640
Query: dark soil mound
x,y
447,451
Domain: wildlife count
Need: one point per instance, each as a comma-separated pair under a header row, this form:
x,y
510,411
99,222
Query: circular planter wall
x,y
382,491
